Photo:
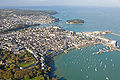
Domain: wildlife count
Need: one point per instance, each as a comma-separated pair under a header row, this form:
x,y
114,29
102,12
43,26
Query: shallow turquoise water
x,y
82,64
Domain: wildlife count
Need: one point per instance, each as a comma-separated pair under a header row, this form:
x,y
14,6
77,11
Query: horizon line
x,y
59,6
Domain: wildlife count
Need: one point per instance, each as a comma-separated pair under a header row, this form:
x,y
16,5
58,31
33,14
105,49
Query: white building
x,y
114,44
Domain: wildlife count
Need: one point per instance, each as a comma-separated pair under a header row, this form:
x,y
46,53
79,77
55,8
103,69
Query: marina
x,y
114,34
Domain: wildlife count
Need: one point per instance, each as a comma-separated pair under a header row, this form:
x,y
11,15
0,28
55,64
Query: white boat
x,y
111,59
86,76
100,63
96,69
107,78
106,58
88,67
113,65
106,47
105,66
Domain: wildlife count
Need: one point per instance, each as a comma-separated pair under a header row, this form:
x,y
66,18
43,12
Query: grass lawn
x,y
25,64
37,78
49,53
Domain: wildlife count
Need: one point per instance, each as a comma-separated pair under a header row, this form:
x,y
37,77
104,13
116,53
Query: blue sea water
x,y
82,64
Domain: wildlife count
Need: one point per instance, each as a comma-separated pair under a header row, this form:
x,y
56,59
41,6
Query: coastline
x,y
18,28
13,19
73,47
88,45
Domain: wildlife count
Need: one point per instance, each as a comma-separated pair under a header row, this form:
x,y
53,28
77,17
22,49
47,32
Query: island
x,y
75,21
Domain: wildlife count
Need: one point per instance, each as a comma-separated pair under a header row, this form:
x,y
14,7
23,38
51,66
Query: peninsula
x,y
12,19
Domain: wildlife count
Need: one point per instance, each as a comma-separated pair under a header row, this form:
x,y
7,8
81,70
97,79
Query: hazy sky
x,y
103,3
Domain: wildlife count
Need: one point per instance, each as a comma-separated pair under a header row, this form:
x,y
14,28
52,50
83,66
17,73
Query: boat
x,y
86,76
88,67
107,50
113,65
107,78
100,63
96,69
106,47
101,51
96,53
111,60
105,66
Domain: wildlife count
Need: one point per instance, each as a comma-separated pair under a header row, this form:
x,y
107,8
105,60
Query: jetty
x,y
112,44
114,34
117,49
66,51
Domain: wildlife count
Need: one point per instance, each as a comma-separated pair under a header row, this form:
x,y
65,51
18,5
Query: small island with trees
x,y
75,21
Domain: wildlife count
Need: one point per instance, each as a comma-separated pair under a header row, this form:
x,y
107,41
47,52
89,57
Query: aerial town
x,y
33,47
50,41
14,18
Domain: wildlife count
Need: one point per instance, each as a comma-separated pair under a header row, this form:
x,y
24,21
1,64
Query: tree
x,y
7,75
6,66
37,67
39,72
49,68
31,74
48,77
12,66
26,77
54,78
1,73
19,74
34,71
41,77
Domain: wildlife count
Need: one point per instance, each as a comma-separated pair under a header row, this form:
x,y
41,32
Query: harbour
x,y
82,63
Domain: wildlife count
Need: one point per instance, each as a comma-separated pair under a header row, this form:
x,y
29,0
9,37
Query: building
x,y
113,44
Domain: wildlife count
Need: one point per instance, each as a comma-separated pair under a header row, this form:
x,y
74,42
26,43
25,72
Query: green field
x,y
37,78
49,53
25,64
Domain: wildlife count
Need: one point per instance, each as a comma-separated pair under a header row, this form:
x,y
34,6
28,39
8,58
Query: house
x,y
114,44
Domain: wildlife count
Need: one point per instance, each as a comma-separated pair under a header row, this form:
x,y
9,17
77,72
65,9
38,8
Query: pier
x,y
117,49
115,34
112,44
66,51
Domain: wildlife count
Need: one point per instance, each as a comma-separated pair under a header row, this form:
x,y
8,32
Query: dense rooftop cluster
x,y
12,18
42,40
49,41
